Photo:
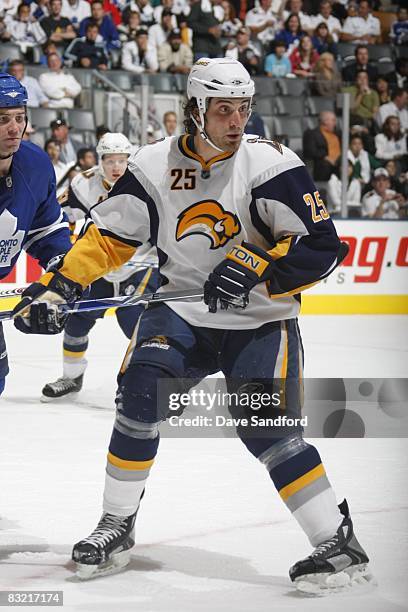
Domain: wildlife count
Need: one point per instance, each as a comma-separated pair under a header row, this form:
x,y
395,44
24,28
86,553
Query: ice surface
x,y
212,534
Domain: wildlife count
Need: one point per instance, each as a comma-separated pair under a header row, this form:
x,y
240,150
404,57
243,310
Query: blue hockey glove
x,y
38,311
231,281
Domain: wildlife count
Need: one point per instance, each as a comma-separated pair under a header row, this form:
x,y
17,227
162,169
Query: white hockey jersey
x,y
194,212
87,189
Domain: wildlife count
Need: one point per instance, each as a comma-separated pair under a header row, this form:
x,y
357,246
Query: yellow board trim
x,y
129,465
302,482
354,304
73,354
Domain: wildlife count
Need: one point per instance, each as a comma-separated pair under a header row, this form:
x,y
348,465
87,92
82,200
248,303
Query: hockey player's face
x,y
225,121
114,166
12,124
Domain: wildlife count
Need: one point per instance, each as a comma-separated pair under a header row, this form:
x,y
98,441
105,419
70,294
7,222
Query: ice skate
x,y
61,388
335,565
107,549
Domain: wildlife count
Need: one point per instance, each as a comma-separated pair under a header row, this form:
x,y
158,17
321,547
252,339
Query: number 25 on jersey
x,y
317,207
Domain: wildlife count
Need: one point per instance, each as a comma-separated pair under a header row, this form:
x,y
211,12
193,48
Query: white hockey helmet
x,y
113,142
217,78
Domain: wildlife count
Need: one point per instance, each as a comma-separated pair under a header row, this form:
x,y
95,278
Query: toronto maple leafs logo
x,y
11,239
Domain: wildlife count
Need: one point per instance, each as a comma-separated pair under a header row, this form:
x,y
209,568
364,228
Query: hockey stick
x,y
122,301
142,265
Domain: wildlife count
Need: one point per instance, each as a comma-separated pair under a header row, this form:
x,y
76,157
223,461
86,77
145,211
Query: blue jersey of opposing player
x,y
30,216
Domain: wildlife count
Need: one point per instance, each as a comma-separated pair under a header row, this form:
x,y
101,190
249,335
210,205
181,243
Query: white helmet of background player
x,y
217,78
113,144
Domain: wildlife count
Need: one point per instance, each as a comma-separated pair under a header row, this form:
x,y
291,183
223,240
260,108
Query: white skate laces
x,y
109,527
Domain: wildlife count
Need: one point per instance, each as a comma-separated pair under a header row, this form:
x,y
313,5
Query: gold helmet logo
x,y
208,218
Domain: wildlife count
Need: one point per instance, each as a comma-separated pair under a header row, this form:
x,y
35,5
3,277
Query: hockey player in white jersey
x,y
239,216
137,275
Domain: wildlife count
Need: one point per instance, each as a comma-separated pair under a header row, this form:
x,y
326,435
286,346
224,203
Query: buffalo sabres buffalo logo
x,y
208,218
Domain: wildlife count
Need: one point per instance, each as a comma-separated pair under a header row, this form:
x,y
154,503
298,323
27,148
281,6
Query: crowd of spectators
x,y
282,39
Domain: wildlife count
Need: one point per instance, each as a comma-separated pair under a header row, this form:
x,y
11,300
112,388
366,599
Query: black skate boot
x,y
61,387
107,549
335,564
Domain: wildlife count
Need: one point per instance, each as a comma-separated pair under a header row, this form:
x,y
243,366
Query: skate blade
x,y
113,566
45,399
356,576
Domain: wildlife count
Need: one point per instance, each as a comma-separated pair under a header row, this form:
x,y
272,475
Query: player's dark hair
x,y
188,109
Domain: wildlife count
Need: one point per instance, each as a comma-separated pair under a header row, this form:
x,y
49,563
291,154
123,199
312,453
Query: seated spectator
x,y
363,162
325,16
334,188
276,63
245,52
48,47
255,125
398,180
59,29
24,30
397,107
36,96
295,8
61,88
40,9
53,149
291,34
206,31
138,56
327,78
230,23
262,22
86,159
364,100
145,9
87,52
304,58
322,146
69,146
323,41
399,29
181,8
382,87
170,124
112,8
382,202
159,32
363,27
399,78
76,11
107,28
8,8
174,56
390,143
158,11
128,28
4,33
361,63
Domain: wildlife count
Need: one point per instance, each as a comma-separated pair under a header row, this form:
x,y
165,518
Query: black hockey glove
x,y
231,281
39,311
